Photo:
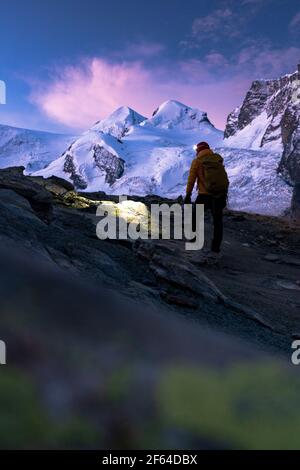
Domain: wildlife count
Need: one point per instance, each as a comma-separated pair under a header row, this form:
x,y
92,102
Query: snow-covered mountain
x,y
119,122
177,116
147,156
129,154
32,149
269,119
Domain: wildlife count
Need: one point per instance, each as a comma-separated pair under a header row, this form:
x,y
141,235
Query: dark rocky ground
x,y
119,344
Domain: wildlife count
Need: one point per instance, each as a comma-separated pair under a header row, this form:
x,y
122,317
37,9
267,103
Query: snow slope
x,y
32,149
129,154
255,185
268,115
119,122
252,136
154,154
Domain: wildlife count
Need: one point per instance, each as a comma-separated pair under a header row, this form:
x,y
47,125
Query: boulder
x,y
57,186
39,198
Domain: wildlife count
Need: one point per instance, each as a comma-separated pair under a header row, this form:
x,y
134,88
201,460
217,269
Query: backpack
x,y
216,179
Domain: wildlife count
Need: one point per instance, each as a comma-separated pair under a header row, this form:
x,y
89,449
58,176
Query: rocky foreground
x,y
120,344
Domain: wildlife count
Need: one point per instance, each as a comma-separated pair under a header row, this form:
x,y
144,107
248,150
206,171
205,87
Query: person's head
x,y
202,146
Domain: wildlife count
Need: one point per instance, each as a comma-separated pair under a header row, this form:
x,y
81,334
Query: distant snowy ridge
x,y
32,149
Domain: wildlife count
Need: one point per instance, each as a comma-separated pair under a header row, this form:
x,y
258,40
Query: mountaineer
x,y
208,170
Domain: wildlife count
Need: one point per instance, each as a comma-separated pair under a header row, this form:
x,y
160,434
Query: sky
x,y
70,63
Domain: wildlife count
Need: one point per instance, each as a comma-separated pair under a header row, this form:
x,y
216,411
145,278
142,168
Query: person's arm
x,y
192,177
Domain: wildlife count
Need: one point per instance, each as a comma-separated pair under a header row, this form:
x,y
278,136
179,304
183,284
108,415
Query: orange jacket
x,y
197,173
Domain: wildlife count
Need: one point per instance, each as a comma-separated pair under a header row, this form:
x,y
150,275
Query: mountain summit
x,y
129,154
119,122
173,114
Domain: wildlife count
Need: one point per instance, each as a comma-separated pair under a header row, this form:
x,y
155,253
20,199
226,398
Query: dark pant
x,y
215,205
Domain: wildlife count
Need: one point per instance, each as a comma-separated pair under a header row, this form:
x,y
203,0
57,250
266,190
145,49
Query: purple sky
x,y
69,63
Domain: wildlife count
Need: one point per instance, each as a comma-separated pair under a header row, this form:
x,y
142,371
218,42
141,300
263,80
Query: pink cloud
x,y
81,95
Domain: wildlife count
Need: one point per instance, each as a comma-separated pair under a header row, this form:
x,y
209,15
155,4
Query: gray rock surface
x,y
39,198
109,164
280,100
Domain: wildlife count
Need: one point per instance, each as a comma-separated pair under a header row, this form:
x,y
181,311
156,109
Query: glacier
x,y
32,149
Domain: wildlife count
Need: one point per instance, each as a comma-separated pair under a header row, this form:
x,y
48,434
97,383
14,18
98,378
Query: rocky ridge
x,y
269,118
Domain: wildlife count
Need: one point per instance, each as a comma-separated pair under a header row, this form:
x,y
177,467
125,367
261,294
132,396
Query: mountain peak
x,y
173,113
173,104
119,122
124,111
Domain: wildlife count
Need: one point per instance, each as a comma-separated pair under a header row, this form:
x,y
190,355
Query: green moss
x,y
25,423
247,406
76,434
119,383
72,199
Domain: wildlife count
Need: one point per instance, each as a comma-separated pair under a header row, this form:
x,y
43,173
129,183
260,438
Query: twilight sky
x,y
69,63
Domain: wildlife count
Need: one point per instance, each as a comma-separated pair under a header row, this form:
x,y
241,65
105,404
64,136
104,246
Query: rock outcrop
x,y
38,197
111,165
70,168
290,163
269,118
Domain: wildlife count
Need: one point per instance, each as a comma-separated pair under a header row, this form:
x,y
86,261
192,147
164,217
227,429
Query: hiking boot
x,y
205,257
217,256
